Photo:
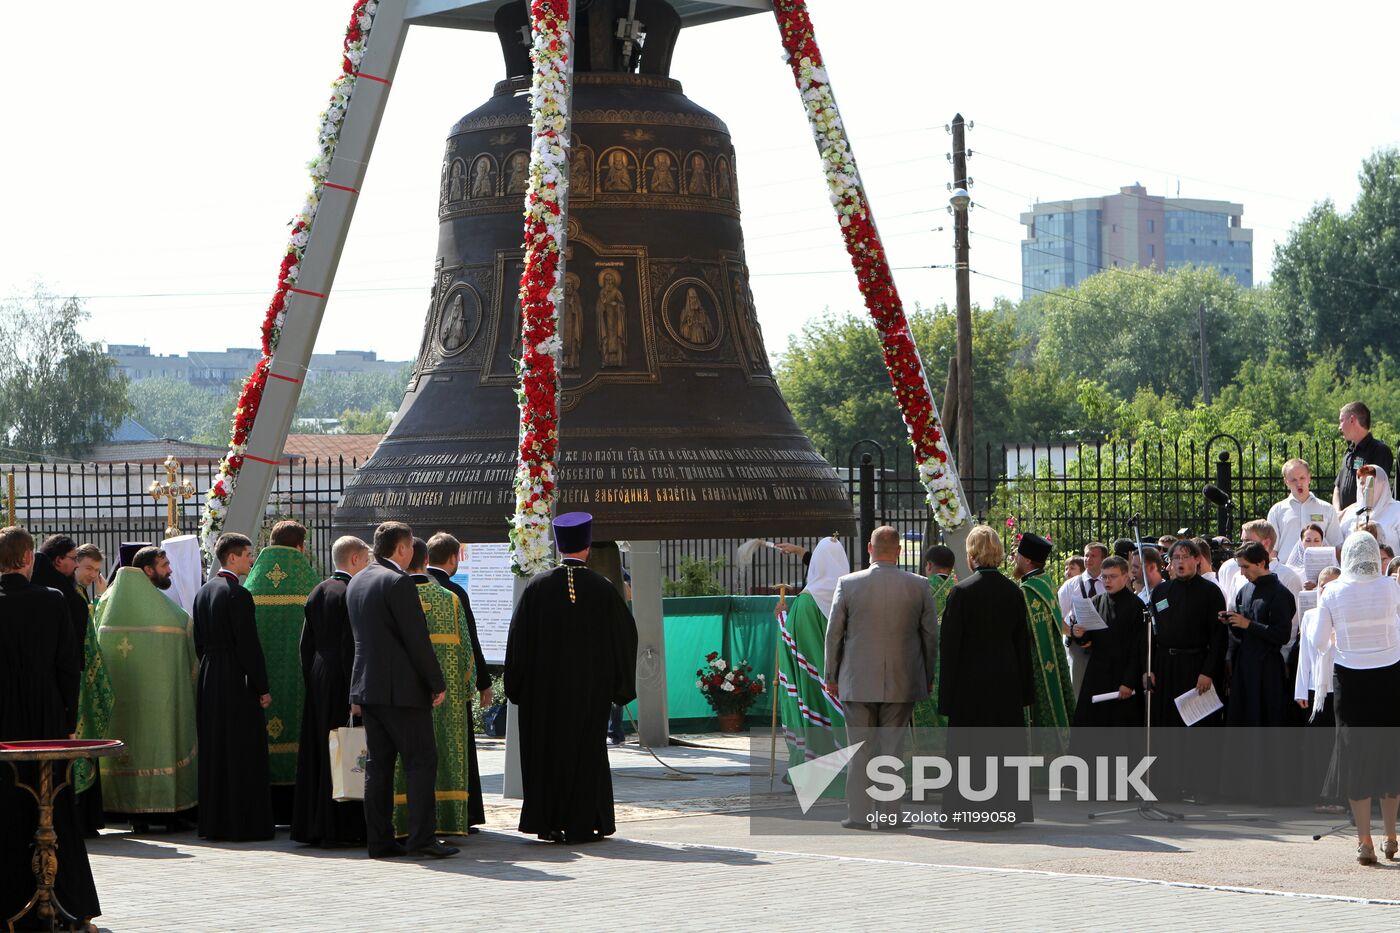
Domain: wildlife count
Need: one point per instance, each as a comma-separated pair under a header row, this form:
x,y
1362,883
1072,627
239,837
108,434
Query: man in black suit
x,y
394,684
443,554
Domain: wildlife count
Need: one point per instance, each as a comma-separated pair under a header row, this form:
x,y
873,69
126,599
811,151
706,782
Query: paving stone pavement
x,y
684,859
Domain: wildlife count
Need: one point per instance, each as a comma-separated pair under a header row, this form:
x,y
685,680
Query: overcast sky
x,y
154,152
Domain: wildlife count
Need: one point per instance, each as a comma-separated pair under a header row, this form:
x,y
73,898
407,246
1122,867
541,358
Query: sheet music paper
x,y
1316,560
1307,600
1194,706
1086,615
1106,697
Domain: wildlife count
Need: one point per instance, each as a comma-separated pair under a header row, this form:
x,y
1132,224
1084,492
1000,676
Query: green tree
x,y
834,380
170,407
353,421
59,393
1137,329
329,394
695,576
1338,273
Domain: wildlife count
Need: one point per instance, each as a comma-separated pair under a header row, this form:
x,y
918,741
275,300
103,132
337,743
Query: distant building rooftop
x,y
352,447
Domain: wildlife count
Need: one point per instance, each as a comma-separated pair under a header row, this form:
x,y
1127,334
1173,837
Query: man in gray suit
x,y
881,645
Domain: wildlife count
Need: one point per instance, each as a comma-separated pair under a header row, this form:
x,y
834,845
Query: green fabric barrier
x,y
739,628
693,628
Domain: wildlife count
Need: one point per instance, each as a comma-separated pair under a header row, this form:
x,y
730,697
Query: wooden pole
x,y
778,612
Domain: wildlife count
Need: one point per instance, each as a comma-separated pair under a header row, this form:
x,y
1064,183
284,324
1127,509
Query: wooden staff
x,y
778,611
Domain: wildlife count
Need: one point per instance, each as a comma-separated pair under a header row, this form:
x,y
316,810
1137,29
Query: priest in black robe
x,y
39,677
571,653
1115,653
444,552
1260,625
235,794
55,564
1188,653
327,656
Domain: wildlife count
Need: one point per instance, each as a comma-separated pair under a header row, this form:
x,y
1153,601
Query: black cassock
x,y
476,810
567,661
327,654
39,676
1189,640
235,797
1115,659
1266,760
89,803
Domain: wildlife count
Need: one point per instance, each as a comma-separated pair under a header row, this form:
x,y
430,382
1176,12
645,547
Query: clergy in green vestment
x,y
447,630
280,581
94,694
147,648
1053,707
813,722
938,567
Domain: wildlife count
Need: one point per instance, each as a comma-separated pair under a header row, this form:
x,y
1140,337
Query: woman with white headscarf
x,y
1374,503
813,721
1356,619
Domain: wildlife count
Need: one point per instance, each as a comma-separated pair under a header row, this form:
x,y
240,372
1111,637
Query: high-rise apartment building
x,y
1068,241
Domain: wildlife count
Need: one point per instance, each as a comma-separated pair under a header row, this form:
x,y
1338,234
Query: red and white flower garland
x,y
540,290
911,389
246,411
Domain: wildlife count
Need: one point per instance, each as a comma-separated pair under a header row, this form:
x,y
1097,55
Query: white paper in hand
x,y
1086,615
1194,706
1316,560
1106,697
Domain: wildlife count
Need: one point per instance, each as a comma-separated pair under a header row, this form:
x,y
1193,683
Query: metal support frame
x,y
307,302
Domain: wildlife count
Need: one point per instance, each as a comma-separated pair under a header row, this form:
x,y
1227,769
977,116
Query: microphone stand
x,y
1151,811
1148,811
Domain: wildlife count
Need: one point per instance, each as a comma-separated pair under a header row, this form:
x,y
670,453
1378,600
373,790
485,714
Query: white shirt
x,y
1290,517
1076,586
1357,620
1314,669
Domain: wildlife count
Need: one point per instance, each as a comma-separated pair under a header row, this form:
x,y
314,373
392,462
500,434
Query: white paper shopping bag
x,y
348,755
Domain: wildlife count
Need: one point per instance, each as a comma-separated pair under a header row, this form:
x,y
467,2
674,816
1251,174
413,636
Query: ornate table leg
x,y
45,903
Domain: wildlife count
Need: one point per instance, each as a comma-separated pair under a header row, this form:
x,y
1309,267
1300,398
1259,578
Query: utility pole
x,y
960,201
1205,358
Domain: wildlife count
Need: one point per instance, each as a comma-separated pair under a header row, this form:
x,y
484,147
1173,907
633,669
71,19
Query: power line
x,y
1094,155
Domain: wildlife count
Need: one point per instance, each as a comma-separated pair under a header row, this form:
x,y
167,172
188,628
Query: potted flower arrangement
x,y
730,689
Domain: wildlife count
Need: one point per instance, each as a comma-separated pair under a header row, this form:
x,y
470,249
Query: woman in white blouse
x,y
1357,619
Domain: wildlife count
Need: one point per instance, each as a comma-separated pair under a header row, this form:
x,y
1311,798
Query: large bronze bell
x,y
671,422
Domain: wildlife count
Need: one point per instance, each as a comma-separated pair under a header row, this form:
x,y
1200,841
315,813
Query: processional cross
x,y
172,491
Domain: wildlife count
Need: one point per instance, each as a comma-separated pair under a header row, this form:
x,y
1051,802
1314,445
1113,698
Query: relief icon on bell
x,y
670,414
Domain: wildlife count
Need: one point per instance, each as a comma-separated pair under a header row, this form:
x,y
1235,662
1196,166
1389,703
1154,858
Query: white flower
x,y
699,684
727,687
729,676
719,664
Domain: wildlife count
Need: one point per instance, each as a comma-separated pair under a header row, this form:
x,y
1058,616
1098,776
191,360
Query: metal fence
x,y
108,503
1072,493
